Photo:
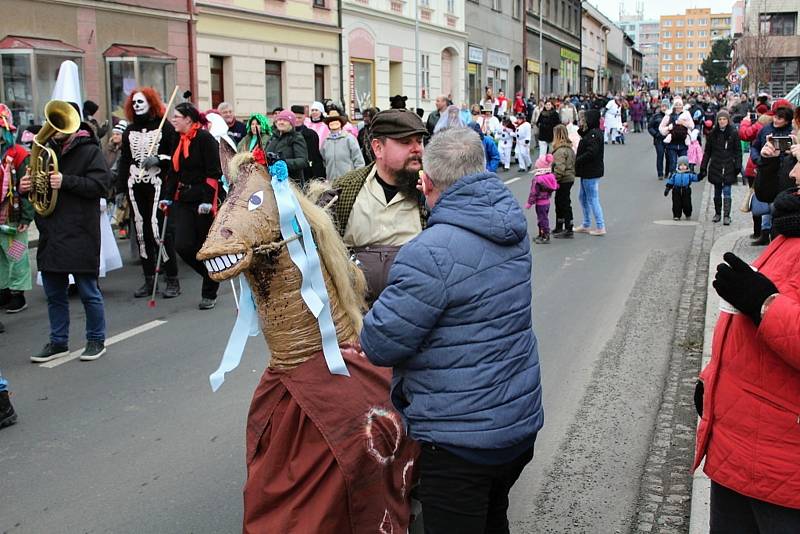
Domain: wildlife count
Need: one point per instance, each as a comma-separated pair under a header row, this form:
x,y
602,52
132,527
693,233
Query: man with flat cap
x,y
316,167
379,207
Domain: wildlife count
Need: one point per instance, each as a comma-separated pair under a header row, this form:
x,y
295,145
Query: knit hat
x,y
89,108
287,116
780,103
544,164
786,213
683,160
318,106
120,127
762,108
723,113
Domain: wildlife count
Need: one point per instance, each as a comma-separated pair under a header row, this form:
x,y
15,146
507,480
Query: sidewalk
x,y
736,240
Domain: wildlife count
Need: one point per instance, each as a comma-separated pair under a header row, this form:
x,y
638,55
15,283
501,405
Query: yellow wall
x,y
260,32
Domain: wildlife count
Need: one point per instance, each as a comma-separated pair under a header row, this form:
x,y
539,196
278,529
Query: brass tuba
x,y
60,117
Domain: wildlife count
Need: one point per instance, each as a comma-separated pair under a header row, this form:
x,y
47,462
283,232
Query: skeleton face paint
x,y
140,104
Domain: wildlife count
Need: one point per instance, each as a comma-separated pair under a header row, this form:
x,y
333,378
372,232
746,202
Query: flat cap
x,y
396,123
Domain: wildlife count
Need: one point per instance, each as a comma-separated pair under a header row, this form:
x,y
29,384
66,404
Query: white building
x,y
379,56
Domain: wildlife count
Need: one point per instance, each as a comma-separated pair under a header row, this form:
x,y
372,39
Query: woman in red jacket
x,y
749,432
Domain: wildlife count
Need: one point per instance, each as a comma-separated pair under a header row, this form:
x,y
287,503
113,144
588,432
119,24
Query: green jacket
x,y
349,185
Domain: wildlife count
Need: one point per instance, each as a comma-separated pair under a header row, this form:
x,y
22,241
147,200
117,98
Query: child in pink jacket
x,y
542,187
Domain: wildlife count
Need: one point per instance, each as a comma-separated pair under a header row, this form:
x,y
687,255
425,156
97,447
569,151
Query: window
x,y
678,34
425,73
667,23
273,73
319,3
784,75
665,68
495,4
667,57
701,33
690,33
679,22
216,81
666,34
667,45
702,22
451,6
362,72
516,7
678,67
779,23
688,77
689,44
689,55
127,70
678,46
678,57
319,83
678,78
690,22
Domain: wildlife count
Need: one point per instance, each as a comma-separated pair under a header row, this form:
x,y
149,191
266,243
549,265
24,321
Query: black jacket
x,y
589,159
773,177
433,118
202,163
237,132
546,122
722,157
291,147
69,239
652,127
316,167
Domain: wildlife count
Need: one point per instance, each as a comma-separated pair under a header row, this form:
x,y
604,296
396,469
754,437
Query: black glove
x,y
667,189
150,161
701,174
743,287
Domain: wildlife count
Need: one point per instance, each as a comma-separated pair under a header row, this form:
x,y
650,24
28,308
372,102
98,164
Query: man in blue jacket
x,y
454,322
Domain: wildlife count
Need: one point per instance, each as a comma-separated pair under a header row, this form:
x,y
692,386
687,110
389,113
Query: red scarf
x,y
183,146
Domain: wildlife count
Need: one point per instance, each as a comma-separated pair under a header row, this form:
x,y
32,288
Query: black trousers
x,y
681,201
564,202
144,196
459,496
734,513
191,230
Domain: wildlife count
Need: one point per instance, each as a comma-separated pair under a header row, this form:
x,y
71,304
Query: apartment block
x,y
686,41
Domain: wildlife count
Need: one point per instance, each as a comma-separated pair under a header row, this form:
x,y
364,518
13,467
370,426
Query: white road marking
x,y
110,341
511,181
667,222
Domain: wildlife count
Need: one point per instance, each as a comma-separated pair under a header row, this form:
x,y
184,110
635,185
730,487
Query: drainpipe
x,y
192,35
525,49
341,57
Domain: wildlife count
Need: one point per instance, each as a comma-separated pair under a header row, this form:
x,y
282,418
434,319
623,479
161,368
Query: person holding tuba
x,y
69,236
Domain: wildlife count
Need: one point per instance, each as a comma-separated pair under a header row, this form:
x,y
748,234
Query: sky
x,y
654,9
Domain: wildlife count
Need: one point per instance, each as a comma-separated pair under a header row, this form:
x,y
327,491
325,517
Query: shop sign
x,y
475,54
533,66
472,68
571,55
498,59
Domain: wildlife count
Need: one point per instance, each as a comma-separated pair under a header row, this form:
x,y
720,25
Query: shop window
x,y
319,82
137,66
217,80
362,79
425,76
784,76
273,78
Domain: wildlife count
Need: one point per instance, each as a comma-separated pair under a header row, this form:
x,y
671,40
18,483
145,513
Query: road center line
x,y
511,181
122,336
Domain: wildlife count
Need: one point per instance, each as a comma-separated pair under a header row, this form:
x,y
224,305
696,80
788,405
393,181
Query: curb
x,y
701,485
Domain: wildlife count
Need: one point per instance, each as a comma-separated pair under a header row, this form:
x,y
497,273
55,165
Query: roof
x,y
123,50
17,42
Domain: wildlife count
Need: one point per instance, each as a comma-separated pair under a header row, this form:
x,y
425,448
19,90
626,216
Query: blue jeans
x,y
55,288
660,158
674,151
723,190
3,383
590,202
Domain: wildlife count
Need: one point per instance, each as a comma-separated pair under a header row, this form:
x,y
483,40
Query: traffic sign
x,y
742,71
733,77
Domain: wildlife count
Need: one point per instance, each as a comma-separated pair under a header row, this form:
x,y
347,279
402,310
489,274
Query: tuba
x,y
59,117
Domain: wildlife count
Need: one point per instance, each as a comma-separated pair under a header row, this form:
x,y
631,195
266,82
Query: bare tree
x,y
753,49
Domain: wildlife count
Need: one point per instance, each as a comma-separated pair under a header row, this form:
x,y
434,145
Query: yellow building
x,y
685,42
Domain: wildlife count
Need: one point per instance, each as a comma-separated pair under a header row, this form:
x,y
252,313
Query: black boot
x,y
726,211
173,287
17,302
717,210
2,328
756,227
559,227
146,289
567,233
7,414
762,240
5,297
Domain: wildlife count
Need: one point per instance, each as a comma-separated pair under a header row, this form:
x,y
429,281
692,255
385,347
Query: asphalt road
x,y
137,442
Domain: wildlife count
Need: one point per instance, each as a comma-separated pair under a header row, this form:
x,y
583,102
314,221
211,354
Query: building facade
x,y
685,42
770,46
721,26
153,47
645,35
558,23
595,27
263,55
494,47
380,57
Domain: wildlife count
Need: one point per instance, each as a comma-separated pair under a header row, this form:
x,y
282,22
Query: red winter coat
x,y
748,133
750,430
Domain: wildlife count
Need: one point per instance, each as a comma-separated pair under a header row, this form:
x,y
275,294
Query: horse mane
x,y
347,278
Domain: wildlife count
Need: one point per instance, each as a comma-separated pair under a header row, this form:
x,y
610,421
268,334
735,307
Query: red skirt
x,y
327,453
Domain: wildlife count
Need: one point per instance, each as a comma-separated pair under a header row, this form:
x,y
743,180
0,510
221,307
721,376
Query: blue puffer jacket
x,y
455,323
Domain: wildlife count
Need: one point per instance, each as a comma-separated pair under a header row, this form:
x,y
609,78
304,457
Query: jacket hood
x,y
592,118
483,205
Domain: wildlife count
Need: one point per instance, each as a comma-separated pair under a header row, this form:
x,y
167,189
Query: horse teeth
x,y
239,256
208,266
219,264
233,259
225,261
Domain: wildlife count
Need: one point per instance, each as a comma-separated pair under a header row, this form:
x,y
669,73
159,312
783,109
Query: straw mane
x,y
347,278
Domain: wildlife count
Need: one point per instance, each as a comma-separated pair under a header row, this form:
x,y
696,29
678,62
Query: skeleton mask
x,y
140,104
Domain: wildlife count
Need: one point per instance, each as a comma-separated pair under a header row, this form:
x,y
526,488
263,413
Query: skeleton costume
x,y
144,182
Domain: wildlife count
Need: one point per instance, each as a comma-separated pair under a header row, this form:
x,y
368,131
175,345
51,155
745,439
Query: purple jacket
x,y
637,111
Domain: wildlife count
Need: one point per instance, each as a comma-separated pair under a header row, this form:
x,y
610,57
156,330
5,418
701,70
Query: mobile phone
x,y
782,142
753,116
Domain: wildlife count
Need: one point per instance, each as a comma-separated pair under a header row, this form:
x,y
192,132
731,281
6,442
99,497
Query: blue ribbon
x,y
303,252
246,325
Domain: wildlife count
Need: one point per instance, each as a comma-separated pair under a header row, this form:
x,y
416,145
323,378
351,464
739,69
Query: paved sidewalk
x,y
736,240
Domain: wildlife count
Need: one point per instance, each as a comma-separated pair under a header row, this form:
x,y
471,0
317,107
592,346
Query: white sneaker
x,y
581,229
598,231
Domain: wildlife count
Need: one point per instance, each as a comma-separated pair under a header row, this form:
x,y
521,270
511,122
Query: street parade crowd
x,y
426,249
